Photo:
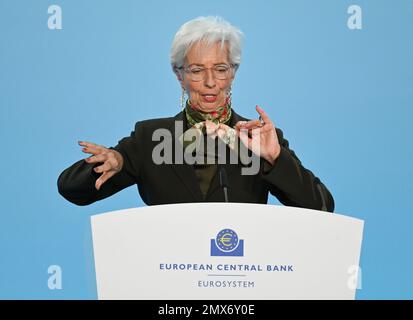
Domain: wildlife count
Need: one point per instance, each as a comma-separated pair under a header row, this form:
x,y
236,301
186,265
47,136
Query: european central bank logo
x,y
227,243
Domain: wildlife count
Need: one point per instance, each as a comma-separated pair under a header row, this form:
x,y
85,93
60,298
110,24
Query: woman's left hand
x,y
260,138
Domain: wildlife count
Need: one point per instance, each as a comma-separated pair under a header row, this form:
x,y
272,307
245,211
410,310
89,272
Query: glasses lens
x,y
218,72
221,72
197,74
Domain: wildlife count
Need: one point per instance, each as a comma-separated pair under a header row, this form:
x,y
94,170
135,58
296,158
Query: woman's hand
x,y
112,161
263,140
222,131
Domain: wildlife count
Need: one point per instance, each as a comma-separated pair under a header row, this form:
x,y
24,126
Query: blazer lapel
x,y
185,172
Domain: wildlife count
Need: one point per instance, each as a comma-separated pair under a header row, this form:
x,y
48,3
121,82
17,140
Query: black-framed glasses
x,y
198,73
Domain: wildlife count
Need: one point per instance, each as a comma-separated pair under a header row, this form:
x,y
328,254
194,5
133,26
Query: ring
x,y
261,121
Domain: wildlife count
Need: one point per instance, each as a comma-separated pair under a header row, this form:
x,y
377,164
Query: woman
x,y
205,55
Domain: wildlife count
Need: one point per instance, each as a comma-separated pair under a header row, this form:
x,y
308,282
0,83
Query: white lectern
x,y
225,251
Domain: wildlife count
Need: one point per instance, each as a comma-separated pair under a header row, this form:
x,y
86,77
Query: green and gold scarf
x,y
196,121
221,115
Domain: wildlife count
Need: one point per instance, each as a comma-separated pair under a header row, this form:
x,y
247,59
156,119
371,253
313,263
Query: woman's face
x,y
210,93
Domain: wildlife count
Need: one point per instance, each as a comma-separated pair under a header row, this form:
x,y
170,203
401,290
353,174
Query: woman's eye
x,y
221,70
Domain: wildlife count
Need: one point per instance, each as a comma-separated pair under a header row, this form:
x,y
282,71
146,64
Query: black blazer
x,y
287,180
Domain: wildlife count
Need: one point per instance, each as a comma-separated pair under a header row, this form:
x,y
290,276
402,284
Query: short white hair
x,y
209,29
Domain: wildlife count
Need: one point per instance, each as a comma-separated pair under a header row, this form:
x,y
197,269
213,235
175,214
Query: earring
x,y
229,95
183,99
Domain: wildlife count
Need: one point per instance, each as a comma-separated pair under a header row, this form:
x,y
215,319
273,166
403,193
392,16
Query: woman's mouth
x,y
210,98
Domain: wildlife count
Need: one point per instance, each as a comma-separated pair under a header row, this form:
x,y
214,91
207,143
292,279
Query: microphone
x,y
223,182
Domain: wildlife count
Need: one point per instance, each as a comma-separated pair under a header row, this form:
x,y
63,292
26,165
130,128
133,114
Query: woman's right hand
x,y
112,161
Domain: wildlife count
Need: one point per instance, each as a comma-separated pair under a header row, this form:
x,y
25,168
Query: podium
x,y
236,251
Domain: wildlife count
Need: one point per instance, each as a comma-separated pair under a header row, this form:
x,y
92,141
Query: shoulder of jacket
x,y
154,123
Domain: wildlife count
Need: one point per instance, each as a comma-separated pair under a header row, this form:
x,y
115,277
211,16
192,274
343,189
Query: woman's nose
x,y
209,80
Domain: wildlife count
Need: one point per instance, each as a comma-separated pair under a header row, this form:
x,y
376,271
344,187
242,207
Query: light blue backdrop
x,y
343,98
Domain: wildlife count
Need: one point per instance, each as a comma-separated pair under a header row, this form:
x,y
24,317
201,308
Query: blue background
x,y
343,98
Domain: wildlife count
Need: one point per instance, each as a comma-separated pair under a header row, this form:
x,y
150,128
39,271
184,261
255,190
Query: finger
x,y
256,131
109,165
103,168
98,158
263,115
88,144
90,147
91,151
103,178
245,139
94,150
223,127
239,124
221,132
243,124
252,124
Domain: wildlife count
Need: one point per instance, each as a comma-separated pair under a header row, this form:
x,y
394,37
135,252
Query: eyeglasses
x,y
196,73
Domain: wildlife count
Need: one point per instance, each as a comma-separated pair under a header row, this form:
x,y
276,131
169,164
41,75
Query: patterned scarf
x,y
221,115
196,120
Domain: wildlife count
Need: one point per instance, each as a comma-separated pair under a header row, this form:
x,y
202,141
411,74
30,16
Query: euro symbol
x,y
226,239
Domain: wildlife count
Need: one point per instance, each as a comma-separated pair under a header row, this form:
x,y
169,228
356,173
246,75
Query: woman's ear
x,y
178,74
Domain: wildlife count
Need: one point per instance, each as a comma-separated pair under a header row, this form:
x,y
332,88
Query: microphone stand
x,y
223,182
